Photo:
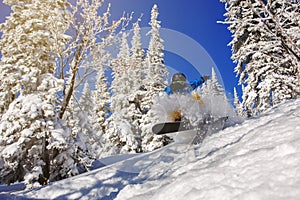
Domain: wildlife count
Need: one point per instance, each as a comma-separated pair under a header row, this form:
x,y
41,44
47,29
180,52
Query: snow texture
x,y
258,159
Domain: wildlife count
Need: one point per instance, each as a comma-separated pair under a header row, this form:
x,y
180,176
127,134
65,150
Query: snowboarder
x,y
180,85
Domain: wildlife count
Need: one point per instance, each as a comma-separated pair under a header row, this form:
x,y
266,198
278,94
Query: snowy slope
x,y
259,159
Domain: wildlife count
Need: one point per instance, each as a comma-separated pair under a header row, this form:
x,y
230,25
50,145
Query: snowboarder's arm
x,y
196,83
168,90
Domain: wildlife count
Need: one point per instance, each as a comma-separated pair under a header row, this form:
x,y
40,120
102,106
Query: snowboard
x,y
204,128
178,126
170,127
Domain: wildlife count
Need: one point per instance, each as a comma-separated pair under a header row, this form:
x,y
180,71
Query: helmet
x,y
179,77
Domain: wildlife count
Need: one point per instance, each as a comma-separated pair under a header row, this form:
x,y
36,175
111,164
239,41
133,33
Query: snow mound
x,y
258,159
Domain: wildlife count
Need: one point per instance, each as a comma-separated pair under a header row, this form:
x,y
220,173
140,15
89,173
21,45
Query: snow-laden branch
x,y
91,31
244,21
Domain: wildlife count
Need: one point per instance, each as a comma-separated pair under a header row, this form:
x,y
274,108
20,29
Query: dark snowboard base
x,y
172,127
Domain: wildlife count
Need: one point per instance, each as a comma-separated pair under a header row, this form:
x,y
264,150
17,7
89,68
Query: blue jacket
x,y
192,85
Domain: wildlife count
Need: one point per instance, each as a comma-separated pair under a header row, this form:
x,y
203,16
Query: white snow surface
x,y
259,159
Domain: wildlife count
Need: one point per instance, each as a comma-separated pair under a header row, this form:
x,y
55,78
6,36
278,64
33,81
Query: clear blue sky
x,y
196,19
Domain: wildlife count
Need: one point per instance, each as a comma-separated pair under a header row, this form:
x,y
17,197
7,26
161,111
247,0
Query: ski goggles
x,y
180,82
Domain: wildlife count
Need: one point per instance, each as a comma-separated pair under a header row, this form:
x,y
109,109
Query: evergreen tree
x,y
266,56
217,88
81,132
157,73
27,40
137,57
86,138
137,75
120,132
101,101
212,87
155,83
286,18
36,145
100,112
237,103
206,88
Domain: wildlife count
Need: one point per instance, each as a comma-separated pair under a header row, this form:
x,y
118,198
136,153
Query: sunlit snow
x,y
259,159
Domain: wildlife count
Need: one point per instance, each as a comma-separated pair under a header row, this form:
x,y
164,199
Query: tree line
x,y
49,49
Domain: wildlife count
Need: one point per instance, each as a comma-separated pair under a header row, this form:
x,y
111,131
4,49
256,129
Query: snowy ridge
x,y
258,159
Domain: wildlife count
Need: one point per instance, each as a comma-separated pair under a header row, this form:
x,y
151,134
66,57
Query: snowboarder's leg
x,y
200,135
202,129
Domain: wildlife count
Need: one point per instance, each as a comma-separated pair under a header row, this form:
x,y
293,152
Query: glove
x,y
205,78
198,98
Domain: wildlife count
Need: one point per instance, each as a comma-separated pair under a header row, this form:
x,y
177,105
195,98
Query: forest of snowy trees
x,y
50,128
266,48
54,125
49,49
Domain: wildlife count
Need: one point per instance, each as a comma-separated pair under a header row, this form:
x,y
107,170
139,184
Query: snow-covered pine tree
x,y
206,88
119,137
212,87
156,72
248,112
101,101
137,75
137,57
35,145
236,100
86,139
155,83
71,117
237,103
28,37
265,63
82,151
286,18
217,88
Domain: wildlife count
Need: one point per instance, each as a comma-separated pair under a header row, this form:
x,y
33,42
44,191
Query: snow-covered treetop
x,y
136,45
